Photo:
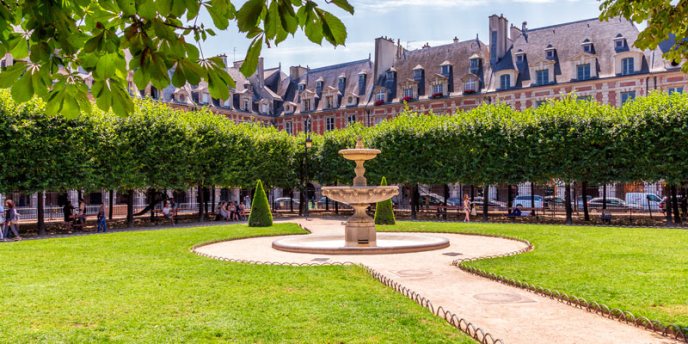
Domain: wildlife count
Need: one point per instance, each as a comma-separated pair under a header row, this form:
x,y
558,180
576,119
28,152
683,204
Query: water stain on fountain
x,y
360,236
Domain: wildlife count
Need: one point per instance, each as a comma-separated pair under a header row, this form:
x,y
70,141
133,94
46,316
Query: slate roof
x,y
567,39
330,75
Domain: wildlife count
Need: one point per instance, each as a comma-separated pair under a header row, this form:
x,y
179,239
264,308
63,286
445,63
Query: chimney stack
x,y
524,30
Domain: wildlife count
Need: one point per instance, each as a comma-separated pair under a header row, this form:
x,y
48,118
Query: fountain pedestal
x,y
360,229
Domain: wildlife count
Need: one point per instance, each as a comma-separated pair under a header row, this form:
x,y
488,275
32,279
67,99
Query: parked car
x,y
662,203
613,203
579,201
454,202
644,200
554,202
282,203
478,202
524,201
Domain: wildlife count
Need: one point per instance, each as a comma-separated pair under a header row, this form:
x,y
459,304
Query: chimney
x,y
524,30
514,32
224,59
499,39
295,72
261,75
385,55
456,39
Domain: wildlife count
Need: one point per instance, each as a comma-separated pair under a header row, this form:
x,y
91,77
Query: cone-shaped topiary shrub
x,y
384,213
260,208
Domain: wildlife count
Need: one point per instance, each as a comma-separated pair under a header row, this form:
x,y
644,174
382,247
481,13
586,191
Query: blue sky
x,y
414,22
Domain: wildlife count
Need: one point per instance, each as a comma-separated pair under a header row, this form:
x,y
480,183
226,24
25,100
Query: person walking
x,y
467,208
242,211
11,220
102,223
81,215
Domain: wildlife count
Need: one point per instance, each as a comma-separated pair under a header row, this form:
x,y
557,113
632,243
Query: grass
x,y
148,287
642,270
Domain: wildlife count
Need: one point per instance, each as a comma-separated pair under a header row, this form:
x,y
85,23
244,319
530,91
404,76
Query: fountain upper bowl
x,y
359,154
360,194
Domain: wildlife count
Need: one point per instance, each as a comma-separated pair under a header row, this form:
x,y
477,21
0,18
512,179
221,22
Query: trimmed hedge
x,y
384,212
260,208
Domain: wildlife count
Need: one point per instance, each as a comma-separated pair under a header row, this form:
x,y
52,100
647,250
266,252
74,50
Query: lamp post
x,y
307,144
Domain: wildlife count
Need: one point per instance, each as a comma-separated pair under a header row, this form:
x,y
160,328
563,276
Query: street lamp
x,y
307,144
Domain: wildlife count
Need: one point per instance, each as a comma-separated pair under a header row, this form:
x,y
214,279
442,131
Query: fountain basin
x,y
387,243
360,194
359,154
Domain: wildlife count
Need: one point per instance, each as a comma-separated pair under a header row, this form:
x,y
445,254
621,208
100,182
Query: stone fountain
x,y
360,236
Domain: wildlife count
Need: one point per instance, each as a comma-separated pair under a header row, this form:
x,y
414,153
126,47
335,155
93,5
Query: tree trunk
x,y
111,203
414,201
327,204
151,203
509,198
130,209
212,196
567,201
201,203
586,212
486,190
674,204
604,196
684,204
472,193
532,198
40,209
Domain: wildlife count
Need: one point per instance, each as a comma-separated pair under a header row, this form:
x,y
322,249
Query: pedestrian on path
x,y
11,220
102,223
2,222
467,208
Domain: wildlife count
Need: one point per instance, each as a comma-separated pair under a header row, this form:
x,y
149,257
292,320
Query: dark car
x,y
613,203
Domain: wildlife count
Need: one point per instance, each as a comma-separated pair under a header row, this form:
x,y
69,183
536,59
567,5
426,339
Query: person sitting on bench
x,y
516,212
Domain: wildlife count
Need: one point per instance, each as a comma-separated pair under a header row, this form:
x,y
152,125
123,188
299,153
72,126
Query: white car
x,y
524,201
643,200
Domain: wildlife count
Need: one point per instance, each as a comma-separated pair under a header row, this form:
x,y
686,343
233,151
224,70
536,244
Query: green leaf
x,y
333,28
22,90
248,67
343,4
9,76
249,14
128,7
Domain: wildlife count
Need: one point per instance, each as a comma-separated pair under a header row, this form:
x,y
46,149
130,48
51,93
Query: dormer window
x,y
418,74
381,95
306,105
475,65
619,42
244,105
390,74
341,84
520,56
505,81
550,52
470,86
627,66
302,87
204,98
587,46
445,69
408,92
361,83
329,102
318,87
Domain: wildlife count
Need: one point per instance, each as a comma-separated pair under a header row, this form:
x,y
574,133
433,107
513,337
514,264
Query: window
x,y
550,54
226,103
627,66
204,98
301,87
587,47
505,82
350,100
244,105
437,88
329,123
418,74
408,92
470,85
626,96
539,102
583,71
361,84
542,76
306,105
380,96
318,87
390,75
675,90
619,43
265,108
288,128
446,69
520,58
329,102
307,125
351,119
475,66
341,84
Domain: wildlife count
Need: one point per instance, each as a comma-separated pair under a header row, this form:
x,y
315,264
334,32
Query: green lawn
x,y
642,270
146,286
